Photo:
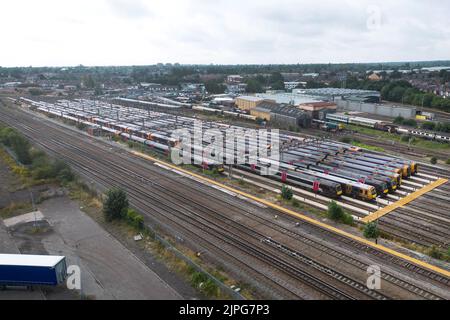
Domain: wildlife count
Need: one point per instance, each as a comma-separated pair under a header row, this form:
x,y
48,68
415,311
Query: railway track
x,y
240,240
243,241
404,229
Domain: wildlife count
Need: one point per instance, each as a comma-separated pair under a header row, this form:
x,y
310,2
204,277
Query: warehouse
x,y
332,94
283,115
247,103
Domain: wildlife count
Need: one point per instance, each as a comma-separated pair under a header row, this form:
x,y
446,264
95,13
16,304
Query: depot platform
x,y
403,201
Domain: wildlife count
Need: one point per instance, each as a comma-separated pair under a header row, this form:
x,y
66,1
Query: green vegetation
x,y
115,205
201,281
435,252
40,166
357,143
436,126
433,160
448,161
254,86
416,141
17,142
406,122
215,86
336,213
35,92
346,139
134,219
286,193
368,147
371,230
15,209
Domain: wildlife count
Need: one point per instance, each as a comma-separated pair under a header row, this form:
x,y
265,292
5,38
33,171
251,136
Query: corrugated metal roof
x,y
29,260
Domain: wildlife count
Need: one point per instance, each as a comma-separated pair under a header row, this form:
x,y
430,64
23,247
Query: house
x,y
234,79
375,77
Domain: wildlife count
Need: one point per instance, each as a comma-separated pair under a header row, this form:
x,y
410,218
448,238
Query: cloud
x,y
105,32
129,9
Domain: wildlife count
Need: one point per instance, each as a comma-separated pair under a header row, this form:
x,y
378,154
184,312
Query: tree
x,y
433,160
279,85
254,86
214,87
335,212
428,125
115,205
286,192
371,230
89,82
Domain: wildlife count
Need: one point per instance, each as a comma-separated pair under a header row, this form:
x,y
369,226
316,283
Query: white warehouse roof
x,y
29,260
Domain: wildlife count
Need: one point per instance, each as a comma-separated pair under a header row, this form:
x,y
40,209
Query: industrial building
x,y
318,110
283,115
289,98
247,103
332,94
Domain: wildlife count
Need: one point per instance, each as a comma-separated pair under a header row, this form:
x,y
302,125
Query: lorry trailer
x,y
32,270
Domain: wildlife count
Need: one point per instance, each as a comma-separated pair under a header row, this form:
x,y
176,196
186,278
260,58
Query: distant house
x,y
289,85
70,88
236,88
375,77
234,79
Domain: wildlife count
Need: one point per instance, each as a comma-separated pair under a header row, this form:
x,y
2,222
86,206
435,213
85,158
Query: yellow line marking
x,y
400,203
305,218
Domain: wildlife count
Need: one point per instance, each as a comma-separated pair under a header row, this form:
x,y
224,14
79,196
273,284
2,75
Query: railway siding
x,y
403,201
363,241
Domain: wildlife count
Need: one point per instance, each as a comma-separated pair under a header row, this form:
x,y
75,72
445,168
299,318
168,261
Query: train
x,y
386,126
320,186
348,187
229,113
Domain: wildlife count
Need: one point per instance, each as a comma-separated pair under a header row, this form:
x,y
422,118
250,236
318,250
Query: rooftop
x,y
336,92
250,98
289,98
29,260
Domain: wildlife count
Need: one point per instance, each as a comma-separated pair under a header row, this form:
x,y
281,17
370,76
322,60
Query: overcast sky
x,y
139,32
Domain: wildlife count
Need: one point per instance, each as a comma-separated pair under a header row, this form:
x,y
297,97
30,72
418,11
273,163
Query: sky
x,y
143,32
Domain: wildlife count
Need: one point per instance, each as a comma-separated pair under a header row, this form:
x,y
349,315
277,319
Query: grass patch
x,y
15,209
416,141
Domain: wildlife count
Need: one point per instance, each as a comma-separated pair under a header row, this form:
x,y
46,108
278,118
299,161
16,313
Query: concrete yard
x,y
108,269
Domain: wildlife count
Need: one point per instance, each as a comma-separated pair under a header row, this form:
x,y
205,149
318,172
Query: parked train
x,y
349,187
320,186
386,126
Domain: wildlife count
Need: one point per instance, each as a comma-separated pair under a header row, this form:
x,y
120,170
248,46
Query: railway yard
x,y
292,256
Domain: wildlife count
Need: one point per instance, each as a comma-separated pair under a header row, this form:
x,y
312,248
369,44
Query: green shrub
x,y
115,205
286,192
347,219
405,138
135,220
371,230
433,160
335,212
435,252
346,140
